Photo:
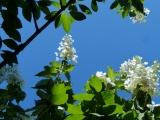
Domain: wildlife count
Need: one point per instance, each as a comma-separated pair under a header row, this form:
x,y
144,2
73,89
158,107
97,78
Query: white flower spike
x,y
139,74
67,51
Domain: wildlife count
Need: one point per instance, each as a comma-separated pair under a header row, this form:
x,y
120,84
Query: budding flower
x,y
67,51
140,17
138,74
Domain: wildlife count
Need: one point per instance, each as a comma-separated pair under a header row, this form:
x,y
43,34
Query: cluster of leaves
x,y
128,7
8,108
98,101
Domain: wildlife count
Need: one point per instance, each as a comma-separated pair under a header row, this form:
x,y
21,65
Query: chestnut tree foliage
x,y
99,99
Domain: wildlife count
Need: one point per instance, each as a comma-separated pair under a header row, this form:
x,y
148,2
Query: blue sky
x,y
103,39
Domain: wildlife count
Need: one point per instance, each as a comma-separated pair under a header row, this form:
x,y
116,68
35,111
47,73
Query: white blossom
x,y
139,74
102,75
11,75
140,17
67,51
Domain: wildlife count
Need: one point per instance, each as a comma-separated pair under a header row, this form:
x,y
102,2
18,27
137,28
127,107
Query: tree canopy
x,y
57,99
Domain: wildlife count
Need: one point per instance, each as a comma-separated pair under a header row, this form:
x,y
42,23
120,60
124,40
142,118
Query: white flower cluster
x,y
140,17
67,51
102,75
138,74
11,75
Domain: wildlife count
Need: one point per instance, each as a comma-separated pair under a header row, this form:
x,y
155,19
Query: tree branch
x,y
35,34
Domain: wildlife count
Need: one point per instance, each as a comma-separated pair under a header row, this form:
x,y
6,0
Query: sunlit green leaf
x,y
66,22
59,99
95,83
74,109
68,68
56,4
83,96
111,73
108,97
58,88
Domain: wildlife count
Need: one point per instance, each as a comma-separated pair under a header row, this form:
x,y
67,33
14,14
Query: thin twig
x,y
33,13
35,34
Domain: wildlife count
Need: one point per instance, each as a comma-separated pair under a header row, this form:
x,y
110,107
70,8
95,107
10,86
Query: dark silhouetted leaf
x,y
26,11
13,33
6,54
85,9
77,15
10,43
114,4
94,6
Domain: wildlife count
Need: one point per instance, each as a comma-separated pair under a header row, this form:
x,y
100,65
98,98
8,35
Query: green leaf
x,y
20,96
129,115
94,6
108,97
74,109
138,5
10,43
42,84
39,109
83,96
59,99
45,74
72,19
13,33
56,4
44,9
115,4
63,2
75,117
51,69
44,3
85,9
95,82
55,64
58,88
111,73
66,22
156,111
68,68
43,95
26,11
58,21
77,15
125,12
18,109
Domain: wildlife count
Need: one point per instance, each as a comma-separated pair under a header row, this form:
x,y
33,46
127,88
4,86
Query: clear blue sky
x,y
103,39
